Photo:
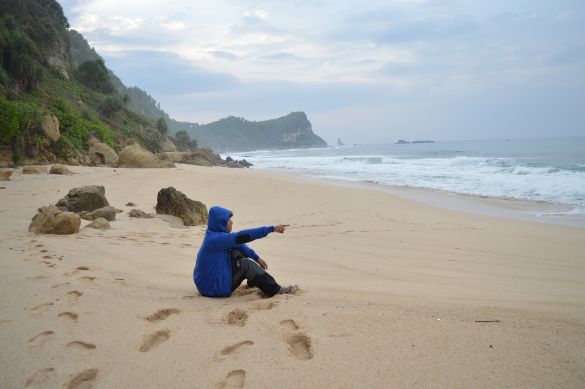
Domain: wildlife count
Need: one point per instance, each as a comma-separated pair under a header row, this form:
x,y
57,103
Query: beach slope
x,y
394,293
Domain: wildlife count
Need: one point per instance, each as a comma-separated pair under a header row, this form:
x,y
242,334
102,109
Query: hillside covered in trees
x,y
52,81
238,134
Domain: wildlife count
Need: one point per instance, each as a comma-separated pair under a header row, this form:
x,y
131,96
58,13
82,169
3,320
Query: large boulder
x,y
136,157
5,175
85,198
60,169
170,201
108,213
51,220
50,127
102,154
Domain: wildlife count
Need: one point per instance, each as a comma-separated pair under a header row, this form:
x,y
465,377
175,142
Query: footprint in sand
x,y
42,307
289,325
300,345
87,278
40,339
83,379
154,340
68,315
61,285
81,345
229,350
41,377
75,271
233,379
161,314
264,305
74,295
237,317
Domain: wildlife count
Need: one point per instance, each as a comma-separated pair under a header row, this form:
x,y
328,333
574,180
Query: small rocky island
x,y
405,142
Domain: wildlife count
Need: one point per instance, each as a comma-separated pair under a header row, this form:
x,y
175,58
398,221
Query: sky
x,y
364,71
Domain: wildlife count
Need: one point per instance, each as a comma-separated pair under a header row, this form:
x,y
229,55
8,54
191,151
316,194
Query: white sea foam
x,y
525,172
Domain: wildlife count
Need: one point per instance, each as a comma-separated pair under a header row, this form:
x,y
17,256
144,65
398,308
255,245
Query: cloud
x,y
163,73
223,54
401,64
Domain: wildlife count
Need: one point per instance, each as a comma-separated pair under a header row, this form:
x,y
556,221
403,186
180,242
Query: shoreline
x,y
507,208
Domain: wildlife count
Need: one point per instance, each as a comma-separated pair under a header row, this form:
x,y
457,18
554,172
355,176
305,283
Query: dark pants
x,y
247,269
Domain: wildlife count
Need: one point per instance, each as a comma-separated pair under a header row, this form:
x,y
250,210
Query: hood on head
x,y
218,218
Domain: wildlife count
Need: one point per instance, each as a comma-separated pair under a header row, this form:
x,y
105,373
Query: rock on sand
x,y
172,202
51,220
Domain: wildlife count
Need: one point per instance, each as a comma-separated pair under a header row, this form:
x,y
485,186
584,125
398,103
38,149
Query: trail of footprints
x,y
47,376
299,344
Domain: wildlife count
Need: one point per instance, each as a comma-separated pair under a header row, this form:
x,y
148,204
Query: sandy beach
x,y
394,293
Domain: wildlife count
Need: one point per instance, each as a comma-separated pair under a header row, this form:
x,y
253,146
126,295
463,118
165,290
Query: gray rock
x,y
99,224
140,214
51,220
108,213
172,202
85,198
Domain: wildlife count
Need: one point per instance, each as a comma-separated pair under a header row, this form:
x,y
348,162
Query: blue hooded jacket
x,y
213,269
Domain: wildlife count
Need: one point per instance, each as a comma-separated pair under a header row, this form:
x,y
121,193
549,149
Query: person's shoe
x,y
291,289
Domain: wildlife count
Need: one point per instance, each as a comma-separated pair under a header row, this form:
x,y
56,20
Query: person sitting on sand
x,y
224,260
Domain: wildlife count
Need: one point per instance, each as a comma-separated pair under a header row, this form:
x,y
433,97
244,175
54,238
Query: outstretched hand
x,y
280,228
262,263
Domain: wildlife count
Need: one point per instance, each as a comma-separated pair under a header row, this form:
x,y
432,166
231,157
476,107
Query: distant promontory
x,y
238,134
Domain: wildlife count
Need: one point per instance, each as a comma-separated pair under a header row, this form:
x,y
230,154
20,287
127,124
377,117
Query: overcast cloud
x,y
366,71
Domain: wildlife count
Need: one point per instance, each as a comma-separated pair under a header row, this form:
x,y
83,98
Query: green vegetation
x,y
78,128
94,75
184,141
161,126
9,122
18,57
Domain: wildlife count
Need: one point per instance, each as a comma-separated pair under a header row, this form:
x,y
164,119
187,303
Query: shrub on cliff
x,y
94,75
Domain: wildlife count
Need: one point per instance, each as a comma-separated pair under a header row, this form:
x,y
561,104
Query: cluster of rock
x,y
90,203
230,162
6,174
131,156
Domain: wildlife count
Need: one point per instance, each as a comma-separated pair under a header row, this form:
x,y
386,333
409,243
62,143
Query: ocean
x,y
543,170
